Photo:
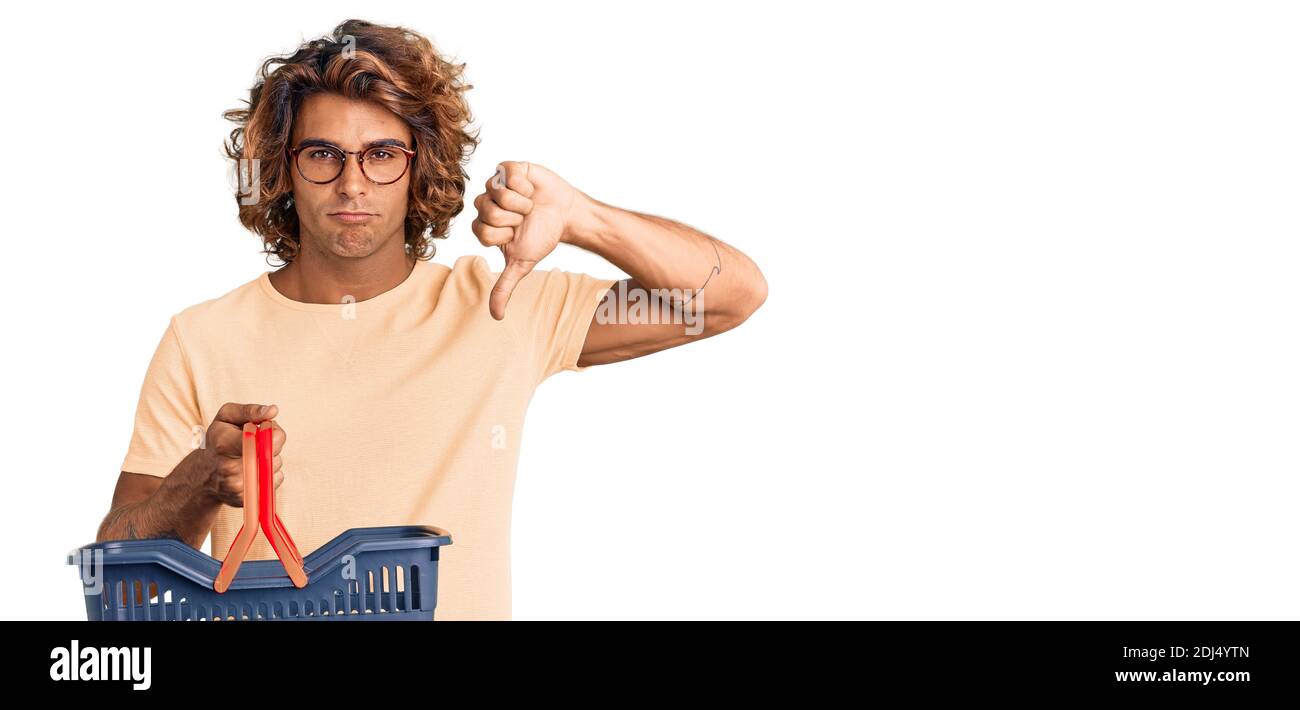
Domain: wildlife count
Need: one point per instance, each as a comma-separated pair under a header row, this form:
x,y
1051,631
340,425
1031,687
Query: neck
x,y
313,277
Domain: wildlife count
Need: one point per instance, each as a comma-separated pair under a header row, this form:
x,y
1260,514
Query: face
x,y
350,125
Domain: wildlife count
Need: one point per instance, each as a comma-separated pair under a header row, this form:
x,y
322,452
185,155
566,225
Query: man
x,y
404,382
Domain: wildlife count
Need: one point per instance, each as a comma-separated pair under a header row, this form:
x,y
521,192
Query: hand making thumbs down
x,y
524,211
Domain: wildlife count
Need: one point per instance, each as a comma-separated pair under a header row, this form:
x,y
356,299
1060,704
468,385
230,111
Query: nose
x,y
352,183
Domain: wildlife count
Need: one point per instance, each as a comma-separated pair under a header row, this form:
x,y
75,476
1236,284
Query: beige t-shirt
x,y
403,409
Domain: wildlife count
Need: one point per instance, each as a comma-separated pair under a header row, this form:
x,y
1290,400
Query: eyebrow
x,y
382,141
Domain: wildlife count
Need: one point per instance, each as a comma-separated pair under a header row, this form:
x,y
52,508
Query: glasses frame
x,y
361,163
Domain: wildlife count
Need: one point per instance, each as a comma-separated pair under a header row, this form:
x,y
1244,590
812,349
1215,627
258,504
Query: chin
x,y
353,243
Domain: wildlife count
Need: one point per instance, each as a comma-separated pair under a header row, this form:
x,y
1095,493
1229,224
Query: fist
x,y
524,211
224,450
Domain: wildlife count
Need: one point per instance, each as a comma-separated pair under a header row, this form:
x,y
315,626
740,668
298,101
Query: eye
x,y
379,154
323,155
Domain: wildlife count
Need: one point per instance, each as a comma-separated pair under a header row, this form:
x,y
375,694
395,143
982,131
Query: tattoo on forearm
x,y
716,270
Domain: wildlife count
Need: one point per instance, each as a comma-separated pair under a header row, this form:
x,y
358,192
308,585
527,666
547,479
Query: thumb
x,y
514,271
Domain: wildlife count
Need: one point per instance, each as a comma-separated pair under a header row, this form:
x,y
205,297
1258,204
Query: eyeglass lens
x,y
323,164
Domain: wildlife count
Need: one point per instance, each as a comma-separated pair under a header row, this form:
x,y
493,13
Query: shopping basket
x,y
363,574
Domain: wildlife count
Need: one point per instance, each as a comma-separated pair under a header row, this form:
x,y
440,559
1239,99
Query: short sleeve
x,y
553,310
168,425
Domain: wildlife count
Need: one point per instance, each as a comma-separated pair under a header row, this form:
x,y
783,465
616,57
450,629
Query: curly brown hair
x,y
393,66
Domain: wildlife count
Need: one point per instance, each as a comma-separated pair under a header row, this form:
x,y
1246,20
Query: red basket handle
x,y
259,511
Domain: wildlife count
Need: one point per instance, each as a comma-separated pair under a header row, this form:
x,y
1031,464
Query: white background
x,y
1030,349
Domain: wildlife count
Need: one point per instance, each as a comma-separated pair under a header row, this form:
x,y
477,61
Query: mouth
x,y
352,216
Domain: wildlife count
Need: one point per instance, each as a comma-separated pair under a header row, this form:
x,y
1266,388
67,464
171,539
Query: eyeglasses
x,y
381,164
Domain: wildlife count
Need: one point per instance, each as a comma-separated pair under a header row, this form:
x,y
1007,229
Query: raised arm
x,y
685,285
699,285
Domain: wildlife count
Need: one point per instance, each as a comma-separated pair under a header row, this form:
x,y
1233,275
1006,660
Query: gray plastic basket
x,y
363,574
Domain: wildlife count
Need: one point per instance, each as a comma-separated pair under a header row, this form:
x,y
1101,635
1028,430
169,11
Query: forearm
x,y
662,254
180,508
